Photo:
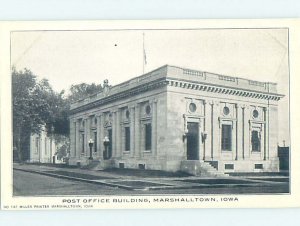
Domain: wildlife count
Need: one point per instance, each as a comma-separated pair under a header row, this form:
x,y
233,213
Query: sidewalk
x,y
130,179
125,178
107,173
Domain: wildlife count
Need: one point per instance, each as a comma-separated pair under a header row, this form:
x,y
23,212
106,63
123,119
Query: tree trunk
x,y
19,147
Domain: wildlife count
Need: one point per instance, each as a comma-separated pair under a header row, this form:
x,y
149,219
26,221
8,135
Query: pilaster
x,y
247,137
242,132
118,133
87,135
207,128
216,146
99,135
239,125
266,149
78,139
154,128
137,148
132,130
114,133
210,126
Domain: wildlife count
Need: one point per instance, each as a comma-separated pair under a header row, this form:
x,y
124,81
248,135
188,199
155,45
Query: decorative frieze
x,y
202,81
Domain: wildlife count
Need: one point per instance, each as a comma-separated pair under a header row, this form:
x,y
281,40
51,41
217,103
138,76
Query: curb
x,y
76,179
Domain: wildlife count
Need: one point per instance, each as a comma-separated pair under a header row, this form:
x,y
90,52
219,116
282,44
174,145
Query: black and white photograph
x,y
150,111
137,114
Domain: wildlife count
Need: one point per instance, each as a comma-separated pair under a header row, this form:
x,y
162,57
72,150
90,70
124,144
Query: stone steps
x,y
92,165
199,168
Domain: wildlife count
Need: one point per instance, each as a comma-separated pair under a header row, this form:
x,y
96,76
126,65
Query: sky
x,y
72,57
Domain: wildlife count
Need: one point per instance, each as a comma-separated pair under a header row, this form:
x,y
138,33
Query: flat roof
x,y
184,74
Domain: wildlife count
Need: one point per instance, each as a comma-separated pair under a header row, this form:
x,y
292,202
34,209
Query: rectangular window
x,y
121,165
148,136
255,141
229,166
127,138
82,143
142,166
258,166
226,138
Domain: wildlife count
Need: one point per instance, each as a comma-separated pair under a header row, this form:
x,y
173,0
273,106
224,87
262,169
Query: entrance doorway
x,y
192,139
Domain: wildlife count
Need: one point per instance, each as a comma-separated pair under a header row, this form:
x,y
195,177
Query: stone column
x,y
102,134
132,131
215,142
78,147
99,134
137,147
154,128
247,137
206,144
114,133
242,132
234,134
265,127
185,131
238,131
118,134
210,122
200,145
87,136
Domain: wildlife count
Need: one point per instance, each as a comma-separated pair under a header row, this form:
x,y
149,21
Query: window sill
x,y
256,152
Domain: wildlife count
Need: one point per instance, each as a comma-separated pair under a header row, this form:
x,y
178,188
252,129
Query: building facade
x,y
178,119
42,148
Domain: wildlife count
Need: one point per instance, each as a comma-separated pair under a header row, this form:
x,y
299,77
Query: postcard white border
x,y
244,201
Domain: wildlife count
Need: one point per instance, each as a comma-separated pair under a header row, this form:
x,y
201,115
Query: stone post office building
x,y
178,119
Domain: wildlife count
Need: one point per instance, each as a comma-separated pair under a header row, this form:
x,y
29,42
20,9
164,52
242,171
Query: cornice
x,y
121,95
186,84
223,89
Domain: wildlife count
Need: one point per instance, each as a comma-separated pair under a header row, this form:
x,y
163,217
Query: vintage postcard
x,y
149,114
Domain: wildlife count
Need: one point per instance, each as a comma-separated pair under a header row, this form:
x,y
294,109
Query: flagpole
x,y
143,52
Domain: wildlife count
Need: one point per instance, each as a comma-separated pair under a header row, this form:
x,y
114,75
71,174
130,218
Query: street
x,y
59,182
30,184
